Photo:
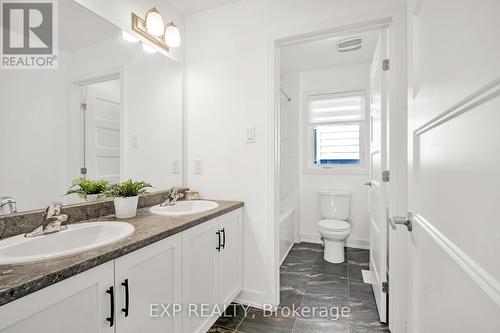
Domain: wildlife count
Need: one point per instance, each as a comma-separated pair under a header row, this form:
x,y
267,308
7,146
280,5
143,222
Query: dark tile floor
x,y
309,282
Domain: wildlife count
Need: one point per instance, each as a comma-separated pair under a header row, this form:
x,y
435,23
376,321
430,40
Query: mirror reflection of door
x,y
101,123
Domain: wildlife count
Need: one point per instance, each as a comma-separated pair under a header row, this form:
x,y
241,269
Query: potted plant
x,y
126,196
87,189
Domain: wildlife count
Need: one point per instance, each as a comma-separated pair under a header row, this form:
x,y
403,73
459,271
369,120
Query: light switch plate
x,y
198,167
250,134
134,141
176,168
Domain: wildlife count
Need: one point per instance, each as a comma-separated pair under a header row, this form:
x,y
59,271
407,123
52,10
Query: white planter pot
x,y
126,207
92,197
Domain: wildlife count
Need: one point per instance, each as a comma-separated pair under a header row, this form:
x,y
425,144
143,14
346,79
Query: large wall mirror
x,y
109,111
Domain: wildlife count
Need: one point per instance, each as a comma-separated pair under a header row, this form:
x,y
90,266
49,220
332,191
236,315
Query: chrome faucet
x,y
172,196
7,206
55,220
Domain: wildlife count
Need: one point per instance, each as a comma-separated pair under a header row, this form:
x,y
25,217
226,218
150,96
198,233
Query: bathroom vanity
x,y
137,284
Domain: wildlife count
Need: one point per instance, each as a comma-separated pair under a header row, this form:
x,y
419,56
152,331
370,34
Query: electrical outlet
x,y
198,167
176,168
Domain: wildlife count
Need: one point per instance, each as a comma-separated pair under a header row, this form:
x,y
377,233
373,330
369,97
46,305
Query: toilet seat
x,y
334,225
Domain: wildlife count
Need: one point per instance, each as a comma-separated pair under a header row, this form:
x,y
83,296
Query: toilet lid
x,y
334,225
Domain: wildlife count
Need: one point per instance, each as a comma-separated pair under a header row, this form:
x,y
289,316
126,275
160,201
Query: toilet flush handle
x,y
369,184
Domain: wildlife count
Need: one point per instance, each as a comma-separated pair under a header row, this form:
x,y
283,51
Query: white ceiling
x,y
192,6
323,53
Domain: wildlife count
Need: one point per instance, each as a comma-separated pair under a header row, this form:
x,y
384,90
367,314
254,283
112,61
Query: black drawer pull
x,y
111,318
223,231
127,299
218,246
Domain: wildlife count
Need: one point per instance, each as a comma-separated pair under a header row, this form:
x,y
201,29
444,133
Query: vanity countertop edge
x,y
20,280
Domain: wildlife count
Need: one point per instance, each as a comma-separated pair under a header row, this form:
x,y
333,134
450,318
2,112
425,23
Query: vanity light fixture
x,y
128,37
152,28
172,35
154,23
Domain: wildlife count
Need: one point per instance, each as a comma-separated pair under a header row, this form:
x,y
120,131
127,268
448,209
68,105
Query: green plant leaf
x,y
84,187
127,189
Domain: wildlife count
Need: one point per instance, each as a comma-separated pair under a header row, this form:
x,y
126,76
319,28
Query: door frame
x,y
393,18
75,134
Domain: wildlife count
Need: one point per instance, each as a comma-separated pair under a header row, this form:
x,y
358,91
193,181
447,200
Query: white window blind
x,y
336,123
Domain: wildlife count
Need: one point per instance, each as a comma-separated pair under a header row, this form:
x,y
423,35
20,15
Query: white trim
x,y
369,20
286,253
478,274
471,102
252,298
354,243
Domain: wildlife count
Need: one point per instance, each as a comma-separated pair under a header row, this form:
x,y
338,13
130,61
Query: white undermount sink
x,y
184,208
74,239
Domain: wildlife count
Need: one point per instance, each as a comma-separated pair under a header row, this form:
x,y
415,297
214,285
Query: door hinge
x,y
83,106
385,287
83,171
386,176
385,65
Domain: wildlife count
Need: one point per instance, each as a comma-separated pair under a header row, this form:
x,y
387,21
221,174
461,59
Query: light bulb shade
x,y
154,23
172,35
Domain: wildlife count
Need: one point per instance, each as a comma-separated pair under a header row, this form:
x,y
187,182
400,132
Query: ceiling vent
x,y
349,44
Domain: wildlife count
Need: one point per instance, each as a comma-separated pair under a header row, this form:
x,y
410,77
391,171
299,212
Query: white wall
x,y
337,79
33,117
119,12
289,167
226,91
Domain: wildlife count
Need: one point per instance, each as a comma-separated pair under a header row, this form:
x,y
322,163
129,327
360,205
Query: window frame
x,y
364,135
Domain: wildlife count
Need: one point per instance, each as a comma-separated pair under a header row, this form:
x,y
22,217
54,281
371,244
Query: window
x,y
336,125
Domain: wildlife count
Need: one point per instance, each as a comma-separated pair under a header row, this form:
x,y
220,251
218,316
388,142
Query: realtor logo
x,y
29,34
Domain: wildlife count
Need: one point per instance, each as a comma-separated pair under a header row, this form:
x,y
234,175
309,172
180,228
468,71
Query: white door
x,y
102,131
231,270
80,304
152,277
454,180
378,204
200,272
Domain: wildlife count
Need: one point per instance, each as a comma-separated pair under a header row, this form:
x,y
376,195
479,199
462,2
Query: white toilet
x,y
334,228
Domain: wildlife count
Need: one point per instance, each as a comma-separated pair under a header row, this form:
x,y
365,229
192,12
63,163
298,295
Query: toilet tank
x,y
335,204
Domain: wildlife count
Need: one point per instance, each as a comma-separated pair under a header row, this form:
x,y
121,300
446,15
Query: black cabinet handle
x,y
223,231
127,299
218,246
111,318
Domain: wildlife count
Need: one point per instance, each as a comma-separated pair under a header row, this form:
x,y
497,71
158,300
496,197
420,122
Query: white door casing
x,y
378,204
454,183
102,130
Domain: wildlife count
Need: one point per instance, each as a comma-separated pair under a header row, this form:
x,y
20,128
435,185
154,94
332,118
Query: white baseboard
x,y
252,298
350,242
286,253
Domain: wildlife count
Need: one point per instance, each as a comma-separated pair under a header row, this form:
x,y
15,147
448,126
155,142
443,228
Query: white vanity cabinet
x,y
201,265
80,304
212,269
152,277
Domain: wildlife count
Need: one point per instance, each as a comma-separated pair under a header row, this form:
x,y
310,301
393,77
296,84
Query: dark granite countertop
x,y
20,280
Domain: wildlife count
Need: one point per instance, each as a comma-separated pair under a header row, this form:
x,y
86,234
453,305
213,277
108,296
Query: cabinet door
x,y
200,275
231,260
79,304
153,278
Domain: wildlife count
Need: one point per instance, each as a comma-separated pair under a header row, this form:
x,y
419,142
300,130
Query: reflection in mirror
x,y
110,111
